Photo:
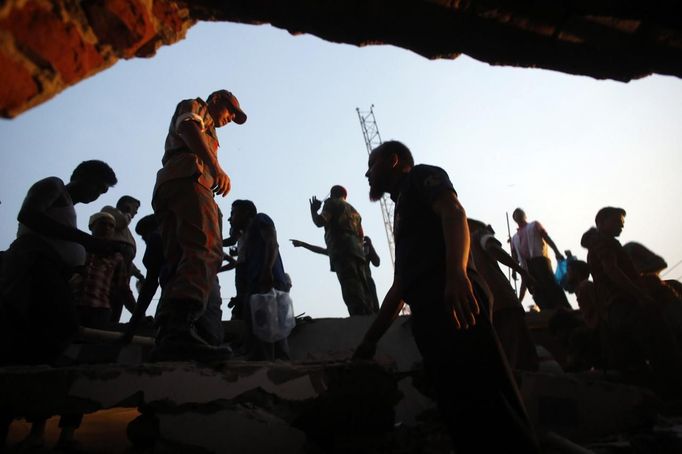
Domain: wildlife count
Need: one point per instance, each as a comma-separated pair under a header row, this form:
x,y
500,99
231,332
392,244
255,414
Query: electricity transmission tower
x,y
370,131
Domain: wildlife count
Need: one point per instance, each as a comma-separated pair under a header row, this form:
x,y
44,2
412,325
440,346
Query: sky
x,y
560,146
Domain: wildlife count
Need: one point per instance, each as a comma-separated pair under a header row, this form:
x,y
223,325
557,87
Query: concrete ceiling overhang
x,y
48,45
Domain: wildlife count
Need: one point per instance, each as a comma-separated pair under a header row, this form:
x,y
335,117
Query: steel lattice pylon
x,y
370,131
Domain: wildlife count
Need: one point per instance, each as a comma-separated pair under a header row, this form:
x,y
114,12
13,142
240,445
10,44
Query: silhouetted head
x,y
645,260
146,225
224,108
519,216
128,205
386,165
338,192
576,272
610,221
241,214
102,225
90,180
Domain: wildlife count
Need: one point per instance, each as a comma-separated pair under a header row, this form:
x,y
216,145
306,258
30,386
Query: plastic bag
x,y
561,271
272,315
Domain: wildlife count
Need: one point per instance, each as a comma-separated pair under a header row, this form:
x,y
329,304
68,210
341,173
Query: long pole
x,y
509,240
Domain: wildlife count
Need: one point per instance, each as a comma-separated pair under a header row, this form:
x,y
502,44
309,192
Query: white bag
x,y
272,315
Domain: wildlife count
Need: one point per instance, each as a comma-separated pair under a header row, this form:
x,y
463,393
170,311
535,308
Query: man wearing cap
x,y
344,238
104,280
125,210
190,221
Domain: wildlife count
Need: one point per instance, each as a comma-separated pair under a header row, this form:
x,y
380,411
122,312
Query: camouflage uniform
x,y
344,238
189,218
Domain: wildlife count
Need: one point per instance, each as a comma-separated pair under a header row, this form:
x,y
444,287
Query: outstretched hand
x,y
459,297
296,243
315,204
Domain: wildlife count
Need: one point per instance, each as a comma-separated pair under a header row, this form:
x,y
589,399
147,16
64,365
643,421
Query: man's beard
x,y
375,194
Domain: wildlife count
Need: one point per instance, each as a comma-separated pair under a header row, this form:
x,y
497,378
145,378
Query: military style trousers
x,y
190,224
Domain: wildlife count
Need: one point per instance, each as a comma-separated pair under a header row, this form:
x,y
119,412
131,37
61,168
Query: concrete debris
x,y
320,402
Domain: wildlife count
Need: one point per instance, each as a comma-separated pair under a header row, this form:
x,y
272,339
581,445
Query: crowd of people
x,y
467,320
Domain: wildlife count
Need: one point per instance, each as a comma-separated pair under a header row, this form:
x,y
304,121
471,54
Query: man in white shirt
x,y
529,248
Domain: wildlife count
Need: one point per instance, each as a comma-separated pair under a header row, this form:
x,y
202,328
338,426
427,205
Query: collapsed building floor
x,y
318,402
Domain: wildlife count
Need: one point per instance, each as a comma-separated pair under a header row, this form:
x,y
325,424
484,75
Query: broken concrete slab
x,y
582,408
322,395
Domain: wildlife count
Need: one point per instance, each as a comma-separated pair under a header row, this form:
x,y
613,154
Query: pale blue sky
x,y
560,146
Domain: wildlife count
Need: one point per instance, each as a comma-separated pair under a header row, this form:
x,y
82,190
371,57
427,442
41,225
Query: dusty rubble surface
x,y
312,404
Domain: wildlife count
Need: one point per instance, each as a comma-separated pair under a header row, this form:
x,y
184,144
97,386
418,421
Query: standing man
x,y
344,238
371,256
259,270
125,210
474,388
189,221
105,279
637,326
529,248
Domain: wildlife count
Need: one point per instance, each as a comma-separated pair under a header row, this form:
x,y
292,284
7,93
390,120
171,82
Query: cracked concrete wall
x,y
46,46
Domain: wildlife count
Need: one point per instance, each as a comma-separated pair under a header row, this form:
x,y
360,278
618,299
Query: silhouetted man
x,y
474,388
125,210
637,328
371,257
509,318
37,311
259,270
529,247
343,236
190,222
105,279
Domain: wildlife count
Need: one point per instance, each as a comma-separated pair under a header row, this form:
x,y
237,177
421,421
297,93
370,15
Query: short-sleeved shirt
x,y
103,273
487,267
606,248
178,160
418,232
252,254
71,253
343,231
528,243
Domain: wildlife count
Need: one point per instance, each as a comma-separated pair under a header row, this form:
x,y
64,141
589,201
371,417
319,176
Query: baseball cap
x,y
233,105
100,215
